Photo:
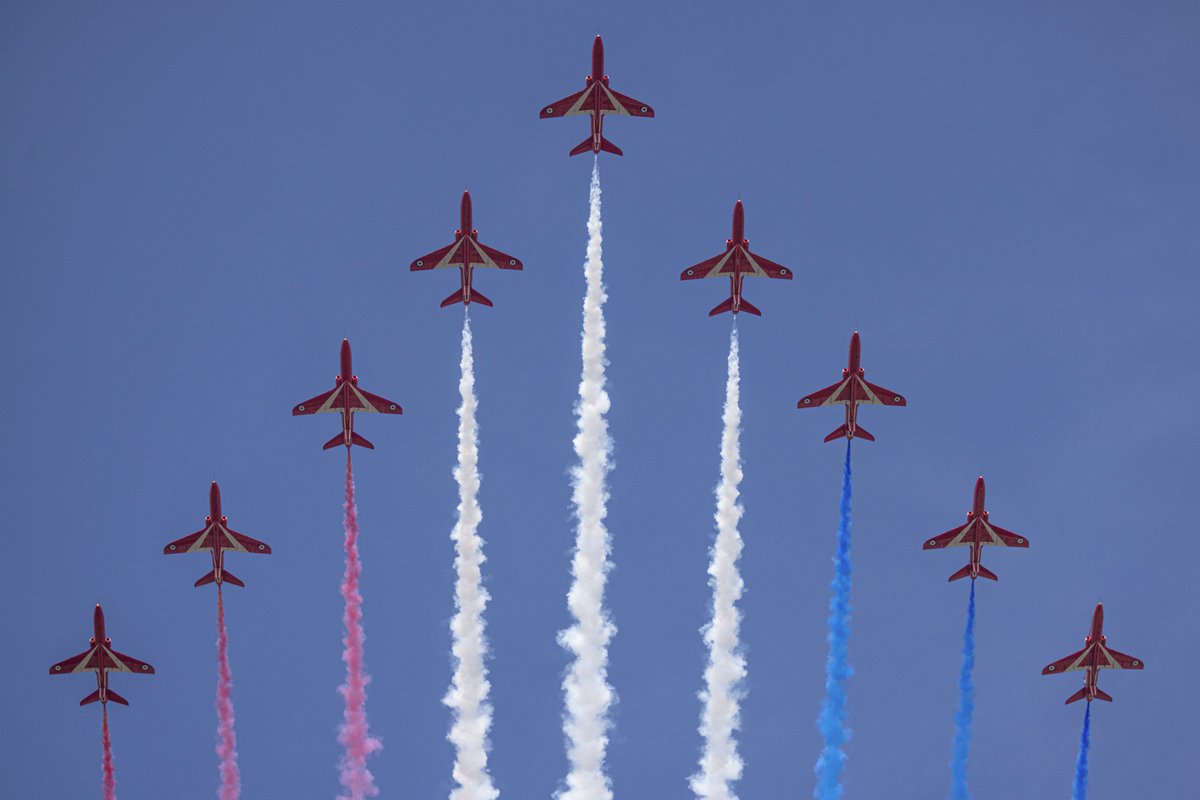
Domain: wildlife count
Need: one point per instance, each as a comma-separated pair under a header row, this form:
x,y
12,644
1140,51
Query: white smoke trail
x,y
588,694
468,693
720,763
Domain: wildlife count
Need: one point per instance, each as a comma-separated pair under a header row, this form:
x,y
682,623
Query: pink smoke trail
x,y
231,779
110,776
357,780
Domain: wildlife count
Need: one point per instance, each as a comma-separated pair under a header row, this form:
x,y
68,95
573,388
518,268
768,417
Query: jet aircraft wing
x,y
877,395
447,256
78,663
1120,660
495,258
624,104
582,102
830,395
1067,663
326,401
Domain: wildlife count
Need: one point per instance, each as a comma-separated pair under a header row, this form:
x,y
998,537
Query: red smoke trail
x,y
356,778
110,777
231,779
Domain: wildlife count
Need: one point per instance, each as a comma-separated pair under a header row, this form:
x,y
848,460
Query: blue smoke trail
x,y
1079,792
966,707
832,721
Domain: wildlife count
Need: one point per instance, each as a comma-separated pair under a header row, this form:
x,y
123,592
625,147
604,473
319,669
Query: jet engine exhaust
x,y
832,720
588,694
720,764
353,735
966,708
231,779
468,693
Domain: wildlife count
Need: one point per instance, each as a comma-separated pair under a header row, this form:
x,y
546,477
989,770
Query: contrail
x,y
231,779
467,697
353,735
832,721
1079,790
110,775
966,707
588,694
720,763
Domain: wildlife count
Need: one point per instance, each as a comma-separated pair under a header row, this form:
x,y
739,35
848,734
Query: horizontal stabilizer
x,y
91,698
609,147
965,572
1077,696
206,578
746,306
722,307
984,572
116,698
360,441
457,297
583,147
862,433
335,441
1103,695
229,577
476,297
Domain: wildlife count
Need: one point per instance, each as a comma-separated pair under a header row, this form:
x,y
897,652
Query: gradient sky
x,y
199,203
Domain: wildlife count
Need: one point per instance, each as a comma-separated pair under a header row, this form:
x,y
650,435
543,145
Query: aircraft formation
x,y
466,253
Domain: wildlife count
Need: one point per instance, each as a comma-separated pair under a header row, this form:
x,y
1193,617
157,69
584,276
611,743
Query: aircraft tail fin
x,y
965,572
722,307
984,572
838,434
116,698
1103,695
92,698
360,441
229,577
477,297
1077,696
749,308
583,147
207,578
609,147
334,442
862,433
457,297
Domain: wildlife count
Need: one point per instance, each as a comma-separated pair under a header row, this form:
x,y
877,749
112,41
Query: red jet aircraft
x,y
850,391
346,397
216,537
466,253
101,659
975,534
1095,656
737,261
597,100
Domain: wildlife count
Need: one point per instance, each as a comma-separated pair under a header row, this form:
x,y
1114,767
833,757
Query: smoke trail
x,y
588,694
1079,790
966,707
832,721
467,697
231,779
720,763
353,735
110,775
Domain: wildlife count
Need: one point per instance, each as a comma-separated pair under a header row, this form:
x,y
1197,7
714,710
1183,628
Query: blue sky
x,y
198,204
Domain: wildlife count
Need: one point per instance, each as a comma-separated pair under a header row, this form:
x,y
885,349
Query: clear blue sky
x,y
199,204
